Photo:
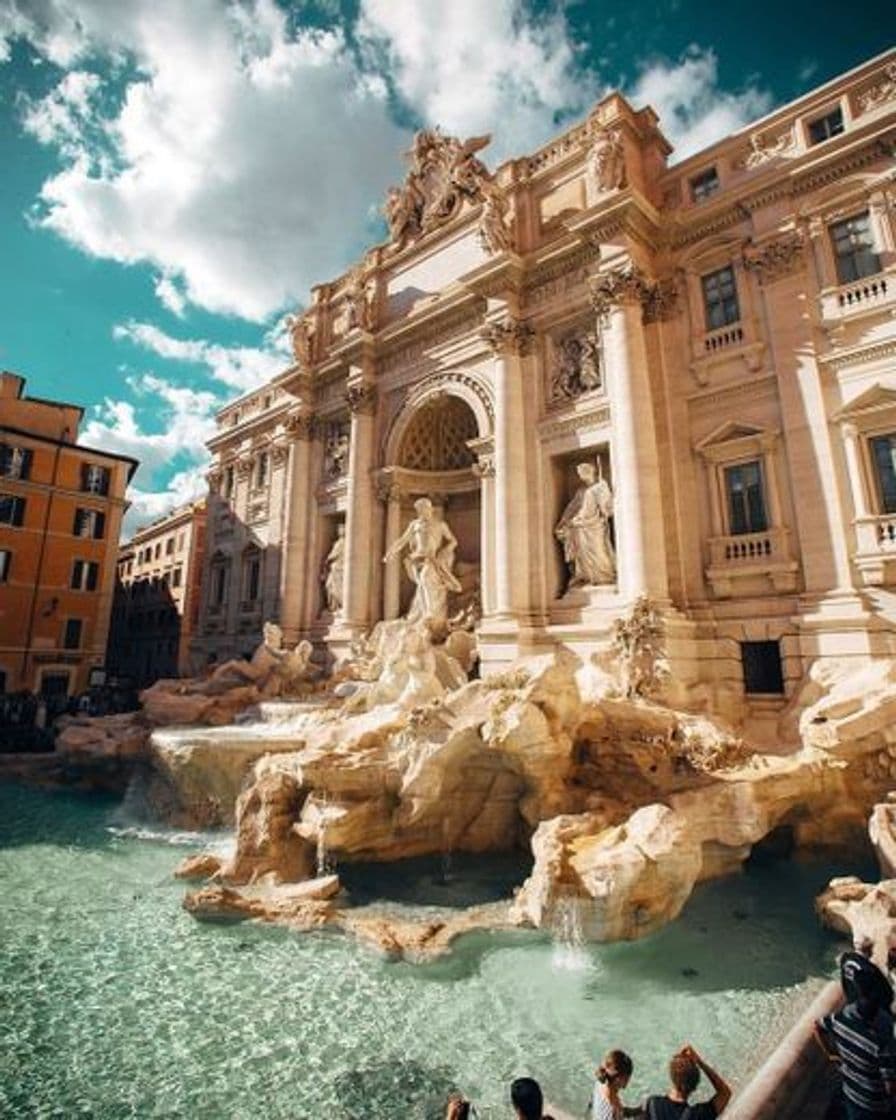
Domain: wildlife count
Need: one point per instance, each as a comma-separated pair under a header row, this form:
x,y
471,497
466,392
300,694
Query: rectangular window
x,y
261,470
854,249
720,298
169,546
883,454
704,184
85,575
12,510
219,585
175,577
823,128
94,478
15,462
5,564
71,638
227,491
89,523
763,672
746,501
253,573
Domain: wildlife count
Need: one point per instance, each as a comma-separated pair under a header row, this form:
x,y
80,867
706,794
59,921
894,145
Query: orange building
x,y
61,506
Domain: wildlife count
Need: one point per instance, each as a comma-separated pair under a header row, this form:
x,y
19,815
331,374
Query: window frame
x,y
85,575
852,256
100,472
727,303
704,185
79,643
18,508
24,470
812,123
725,471
5,564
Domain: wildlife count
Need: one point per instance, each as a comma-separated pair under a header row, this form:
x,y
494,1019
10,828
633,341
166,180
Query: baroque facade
x,y
613,378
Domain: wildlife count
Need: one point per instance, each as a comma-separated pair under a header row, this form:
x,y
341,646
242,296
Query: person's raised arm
x,y
722,1089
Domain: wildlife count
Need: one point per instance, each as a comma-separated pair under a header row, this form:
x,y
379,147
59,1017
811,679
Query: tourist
x,y
684,1073
857,1036
613,1074
527,1099
857,960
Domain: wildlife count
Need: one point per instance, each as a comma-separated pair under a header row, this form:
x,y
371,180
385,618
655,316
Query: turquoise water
x,y
114,1003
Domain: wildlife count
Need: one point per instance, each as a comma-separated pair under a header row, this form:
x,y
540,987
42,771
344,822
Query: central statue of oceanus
x,y
431,547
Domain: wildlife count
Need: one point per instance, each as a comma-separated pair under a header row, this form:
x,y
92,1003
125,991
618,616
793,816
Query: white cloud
x,y
243,157
694,112
477,67
166,431
171,296
239,367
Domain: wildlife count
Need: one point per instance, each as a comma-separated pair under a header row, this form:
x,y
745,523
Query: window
x,y
746,501
854,249
175,577
720,299
883,455
823,128
158,549
761,663
15,462
180,542
251,577
261,469
89,523
169,546
85,575
219,584
267,401
228,483
5,564
704,184
94,479
12,510
71,638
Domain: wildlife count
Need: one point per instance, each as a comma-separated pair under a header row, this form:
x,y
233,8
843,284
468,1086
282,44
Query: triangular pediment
x,y
875,399
727,432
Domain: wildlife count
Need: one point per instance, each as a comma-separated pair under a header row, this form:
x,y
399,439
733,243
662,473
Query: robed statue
x,y
584,530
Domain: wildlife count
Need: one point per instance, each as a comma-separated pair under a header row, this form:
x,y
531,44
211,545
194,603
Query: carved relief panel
x,y
573,363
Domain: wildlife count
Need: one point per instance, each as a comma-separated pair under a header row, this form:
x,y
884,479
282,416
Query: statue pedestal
x,y
595,606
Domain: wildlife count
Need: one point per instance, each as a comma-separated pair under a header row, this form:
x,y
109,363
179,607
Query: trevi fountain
x,y
405,878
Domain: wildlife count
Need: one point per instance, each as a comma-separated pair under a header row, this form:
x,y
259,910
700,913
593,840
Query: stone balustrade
x,y
873,293
876,552
723,337
748,548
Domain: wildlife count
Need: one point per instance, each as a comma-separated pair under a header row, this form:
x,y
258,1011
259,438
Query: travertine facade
x,y
61,506
157,597
715,340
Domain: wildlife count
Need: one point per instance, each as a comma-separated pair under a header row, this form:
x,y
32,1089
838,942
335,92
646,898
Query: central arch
x,y
433,451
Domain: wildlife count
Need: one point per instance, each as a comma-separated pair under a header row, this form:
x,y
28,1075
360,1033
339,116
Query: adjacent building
x,y
716,338
61,506
156,607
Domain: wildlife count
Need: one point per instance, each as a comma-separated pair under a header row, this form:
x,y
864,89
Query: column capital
x,y
484,467
508,336
775,258
360,396
618,287
301,424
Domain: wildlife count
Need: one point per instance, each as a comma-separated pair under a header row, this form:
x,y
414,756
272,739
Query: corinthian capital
x,y
301,425
508,336
618,286
361,396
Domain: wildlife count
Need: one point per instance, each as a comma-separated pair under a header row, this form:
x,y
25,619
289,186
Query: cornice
x,y
249,427
875,351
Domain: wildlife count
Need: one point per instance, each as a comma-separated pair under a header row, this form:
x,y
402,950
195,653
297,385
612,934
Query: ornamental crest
x,y
444,173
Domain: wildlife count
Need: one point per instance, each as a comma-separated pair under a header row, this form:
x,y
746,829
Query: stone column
x,y
640,532
484,469
854,470
509,340
359,550
294,605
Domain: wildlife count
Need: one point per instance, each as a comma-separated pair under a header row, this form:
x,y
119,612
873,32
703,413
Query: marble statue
x,y
429,563
336,451
576,366
301,332
494,231
584,530
334,571
605,169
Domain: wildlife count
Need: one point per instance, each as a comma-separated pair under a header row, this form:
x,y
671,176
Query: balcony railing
x,y
722,338
861,297
748,548
876,554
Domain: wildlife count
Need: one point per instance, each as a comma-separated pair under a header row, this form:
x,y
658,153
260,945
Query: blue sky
x,y
176,173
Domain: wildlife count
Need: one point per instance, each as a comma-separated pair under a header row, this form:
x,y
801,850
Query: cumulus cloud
x,y
243,157
694,112
238,367
475,67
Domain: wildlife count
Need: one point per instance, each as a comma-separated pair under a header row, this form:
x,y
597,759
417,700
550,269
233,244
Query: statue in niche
x,y
605,168
429,563
584,531
336,452
333,575
577,366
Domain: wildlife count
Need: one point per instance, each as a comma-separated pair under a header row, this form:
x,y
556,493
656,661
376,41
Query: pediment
x,y
728,432
875,399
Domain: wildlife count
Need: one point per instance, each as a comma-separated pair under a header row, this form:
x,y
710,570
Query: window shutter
x,y
28,454
92,575
85,470
76,575
18,511
99,526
